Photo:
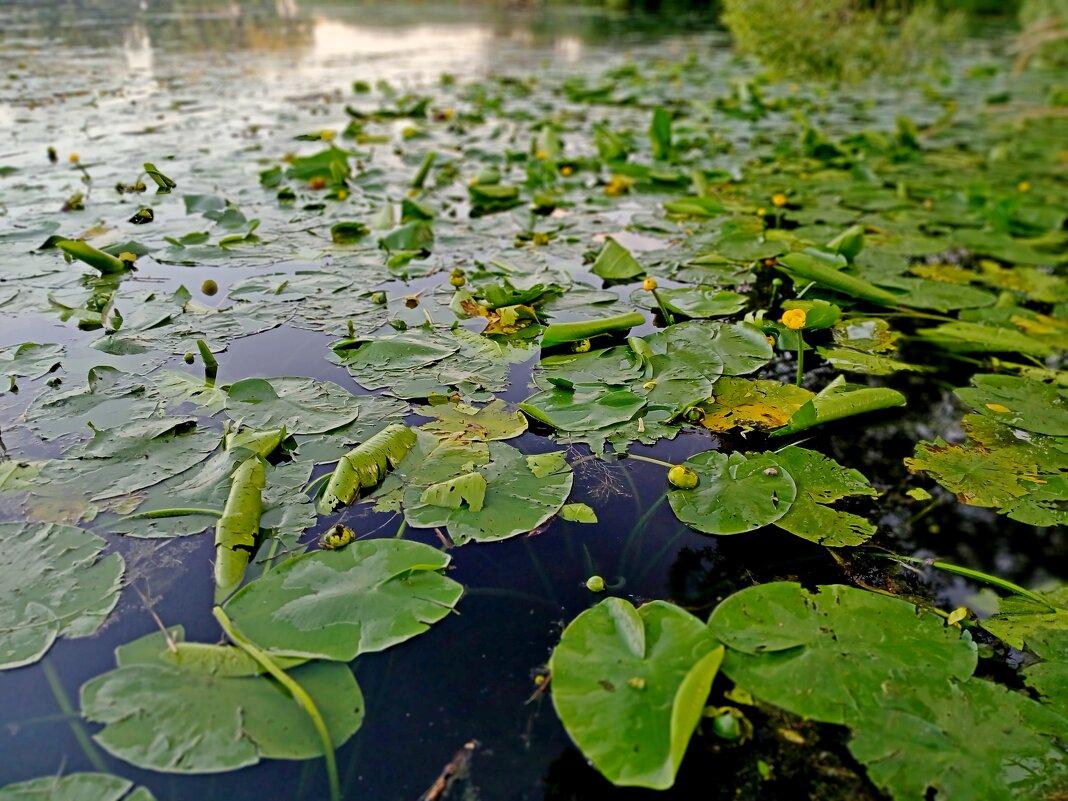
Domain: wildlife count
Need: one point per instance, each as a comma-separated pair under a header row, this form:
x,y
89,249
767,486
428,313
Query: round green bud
x,y
682,477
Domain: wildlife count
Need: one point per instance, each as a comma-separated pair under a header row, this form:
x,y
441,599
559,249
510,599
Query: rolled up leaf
x,y
811,268
837,400
561,333
97,259
239,526
365,466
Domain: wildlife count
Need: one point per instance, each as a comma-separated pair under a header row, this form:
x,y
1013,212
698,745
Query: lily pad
x,y
736,493
820,482
820,654
336,605
301,405
187,719
56,584
630,685
1019,402
76,787
518,497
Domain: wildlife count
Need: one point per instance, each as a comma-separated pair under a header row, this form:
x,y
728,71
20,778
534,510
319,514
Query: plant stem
x,y
70,714
800,358
299,695
967,572
211,365
156,513
648,459
663,309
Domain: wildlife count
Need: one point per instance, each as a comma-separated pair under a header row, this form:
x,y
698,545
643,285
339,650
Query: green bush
x,y
839,39
1045,36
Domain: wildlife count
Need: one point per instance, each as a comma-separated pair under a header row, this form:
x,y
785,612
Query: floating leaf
x,y
517,498
76,787
56,584
752,403
493,421
820,482
367,597
629,686
301,405
819,654
735,493
1019,402
578,513
185,719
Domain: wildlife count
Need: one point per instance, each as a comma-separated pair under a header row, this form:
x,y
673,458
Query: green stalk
x,y
967,572
70,714
663,309
800,358
299,695
154,514
98,259
424,169
211,366
648,459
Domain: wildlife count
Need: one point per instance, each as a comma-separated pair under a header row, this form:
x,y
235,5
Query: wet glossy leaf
x,y
820,482
369,596
76,787
183,719
821,654
56,584
615,263
736,493
752,403
629,686
302,405
518,497
1019,402
493,421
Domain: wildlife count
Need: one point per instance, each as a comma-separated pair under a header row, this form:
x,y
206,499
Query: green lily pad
x,y
818,654
1019,402
493,421
56,584
76,787
615,263
367,597
187,719
820,482
301,405
629,686
518,497
736,493
583,408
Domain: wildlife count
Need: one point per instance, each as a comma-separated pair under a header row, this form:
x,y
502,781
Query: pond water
x,y
215,94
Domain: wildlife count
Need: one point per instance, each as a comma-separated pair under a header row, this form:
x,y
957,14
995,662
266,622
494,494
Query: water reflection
x,y
320,30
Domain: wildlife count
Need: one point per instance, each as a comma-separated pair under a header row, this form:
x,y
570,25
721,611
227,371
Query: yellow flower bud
x,y
649,284
794,319
778,200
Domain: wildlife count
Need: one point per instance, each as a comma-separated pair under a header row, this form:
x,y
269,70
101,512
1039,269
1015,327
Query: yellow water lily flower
x,y
779,200
794,319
